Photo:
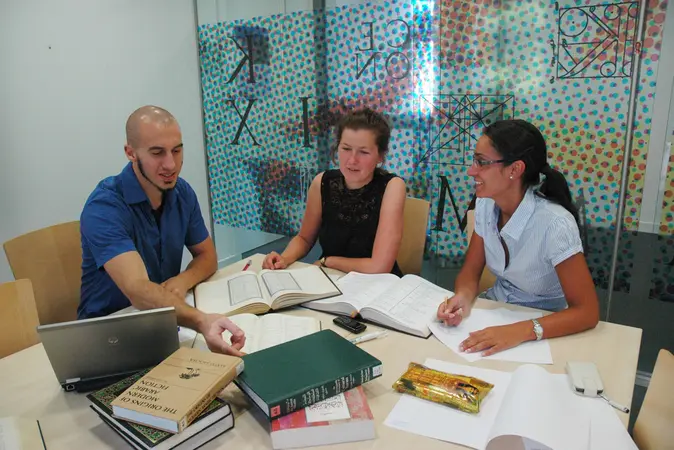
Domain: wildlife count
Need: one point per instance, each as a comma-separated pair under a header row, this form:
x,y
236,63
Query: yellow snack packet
x,y
458,391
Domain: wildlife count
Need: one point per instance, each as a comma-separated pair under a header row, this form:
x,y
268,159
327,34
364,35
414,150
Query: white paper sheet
x,y
542,410
579,422
535,352
607,432
9,434
333,408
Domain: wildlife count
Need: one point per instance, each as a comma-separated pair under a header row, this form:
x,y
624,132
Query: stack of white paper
x,y
528,409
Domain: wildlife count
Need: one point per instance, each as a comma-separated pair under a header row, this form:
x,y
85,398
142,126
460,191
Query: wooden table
x,y
29,388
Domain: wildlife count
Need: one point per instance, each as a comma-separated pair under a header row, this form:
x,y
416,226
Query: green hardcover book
x,y
301,372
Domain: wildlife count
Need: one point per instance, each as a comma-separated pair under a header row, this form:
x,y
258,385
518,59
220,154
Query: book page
x,y
275,329
535,352
412,301
229,294
310,281
538,408
268,330
276,282
359,289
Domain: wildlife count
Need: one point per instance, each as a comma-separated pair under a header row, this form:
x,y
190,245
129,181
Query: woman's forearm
x,y
570,321
297,249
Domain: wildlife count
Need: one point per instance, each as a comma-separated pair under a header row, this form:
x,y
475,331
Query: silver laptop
x,y
93,353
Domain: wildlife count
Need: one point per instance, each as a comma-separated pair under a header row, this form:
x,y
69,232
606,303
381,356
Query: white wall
x,y
70,73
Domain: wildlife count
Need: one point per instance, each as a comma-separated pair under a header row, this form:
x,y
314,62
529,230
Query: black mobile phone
x,y
349,324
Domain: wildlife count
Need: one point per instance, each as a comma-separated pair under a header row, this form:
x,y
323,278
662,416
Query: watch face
x,y
538,330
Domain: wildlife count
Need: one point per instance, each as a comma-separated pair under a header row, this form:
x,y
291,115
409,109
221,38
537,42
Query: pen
x,y
250,261
617,406
367,337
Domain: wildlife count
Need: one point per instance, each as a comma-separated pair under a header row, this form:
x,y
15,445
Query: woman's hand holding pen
x,y
453,309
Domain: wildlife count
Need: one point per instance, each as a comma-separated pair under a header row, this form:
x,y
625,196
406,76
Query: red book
x,y
343,418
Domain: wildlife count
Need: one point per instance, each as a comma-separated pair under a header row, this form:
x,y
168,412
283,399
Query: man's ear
x,y
130,153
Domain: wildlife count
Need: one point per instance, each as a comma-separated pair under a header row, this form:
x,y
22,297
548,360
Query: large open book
x,y
408,304
527,409
257,293
268,330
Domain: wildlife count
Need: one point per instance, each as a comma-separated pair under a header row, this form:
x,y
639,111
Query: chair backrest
x,y
18,317
654,427
487,279
51,258
415,221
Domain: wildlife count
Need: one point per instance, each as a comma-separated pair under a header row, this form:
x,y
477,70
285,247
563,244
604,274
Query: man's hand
x,y
496,339
453,309
213,326
176,286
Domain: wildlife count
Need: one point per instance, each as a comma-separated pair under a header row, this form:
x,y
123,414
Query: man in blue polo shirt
x,y
134,226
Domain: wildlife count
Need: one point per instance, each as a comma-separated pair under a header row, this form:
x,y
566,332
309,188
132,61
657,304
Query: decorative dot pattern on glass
x,y
440,71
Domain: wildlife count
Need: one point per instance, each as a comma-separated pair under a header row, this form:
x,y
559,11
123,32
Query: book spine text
x,y
206,400
315,394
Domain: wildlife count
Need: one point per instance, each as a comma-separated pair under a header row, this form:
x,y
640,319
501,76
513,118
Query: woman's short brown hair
x,y
364,119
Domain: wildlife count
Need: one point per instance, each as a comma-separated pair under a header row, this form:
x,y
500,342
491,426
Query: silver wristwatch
x,y
538,329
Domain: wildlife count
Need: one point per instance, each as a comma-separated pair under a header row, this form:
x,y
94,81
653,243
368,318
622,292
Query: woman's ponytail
x,y
556,189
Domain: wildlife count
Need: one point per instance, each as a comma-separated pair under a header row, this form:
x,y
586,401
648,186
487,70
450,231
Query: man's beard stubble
x,y
142,172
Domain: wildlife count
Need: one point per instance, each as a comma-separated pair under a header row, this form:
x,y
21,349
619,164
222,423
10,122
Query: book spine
x,y
206,400
317,393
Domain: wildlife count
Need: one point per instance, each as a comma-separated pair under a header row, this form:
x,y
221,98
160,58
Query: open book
x,y
257,293
527,409
268,330
408,304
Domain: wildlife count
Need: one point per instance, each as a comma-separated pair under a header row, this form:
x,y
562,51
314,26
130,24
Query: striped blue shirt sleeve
x,y
562,240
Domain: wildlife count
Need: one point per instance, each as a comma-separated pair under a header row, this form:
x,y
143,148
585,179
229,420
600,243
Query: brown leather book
x,y
173,394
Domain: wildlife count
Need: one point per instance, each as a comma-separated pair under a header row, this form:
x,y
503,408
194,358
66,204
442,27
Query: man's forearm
x,y
200,268
144,294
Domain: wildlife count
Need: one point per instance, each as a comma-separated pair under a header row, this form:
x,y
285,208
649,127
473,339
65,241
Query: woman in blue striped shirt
x,y
526,233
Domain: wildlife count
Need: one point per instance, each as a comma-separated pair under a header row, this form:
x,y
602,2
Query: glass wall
x,y
276,75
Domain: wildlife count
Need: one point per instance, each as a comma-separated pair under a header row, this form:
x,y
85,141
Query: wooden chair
x,y
487,279
51,258
415,221
654,427
18,317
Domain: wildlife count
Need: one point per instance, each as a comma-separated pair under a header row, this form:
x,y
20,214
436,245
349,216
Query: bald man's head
x,y
143,117
155,148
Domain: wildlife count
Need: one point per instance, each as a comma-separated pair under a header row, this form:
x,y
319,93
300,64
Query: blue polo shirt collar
x,y
133,192
520,218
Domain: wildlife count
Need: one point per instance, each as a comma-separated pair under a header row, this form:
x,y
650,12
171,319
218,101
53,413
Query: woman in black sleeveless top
x,y
356,212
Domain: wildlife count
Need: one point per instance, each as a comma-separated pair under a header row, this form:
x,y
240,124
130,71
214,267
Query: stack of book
x,y
172,406
315,396
343,418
